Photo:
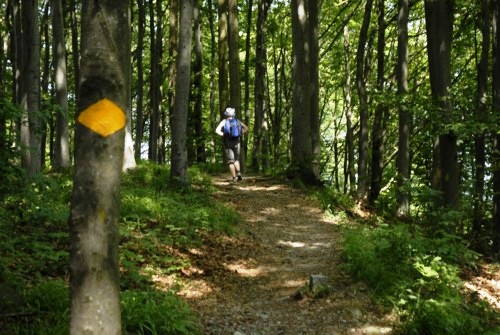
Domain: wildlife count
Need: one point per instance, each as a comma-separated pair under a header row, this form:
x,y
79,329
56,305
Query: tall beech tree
x,y
403,158
179,159
363,102
260,123
496,116
99,137
439,25
302,163
31,126
61,150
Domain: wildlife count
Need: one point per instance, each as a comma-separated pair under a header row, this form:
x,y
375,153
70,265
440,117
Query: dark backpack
x,y
232,128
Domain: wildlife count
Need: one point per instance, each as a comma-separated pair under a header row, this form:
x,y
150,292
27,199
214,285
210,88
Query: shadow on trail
x,y
250,283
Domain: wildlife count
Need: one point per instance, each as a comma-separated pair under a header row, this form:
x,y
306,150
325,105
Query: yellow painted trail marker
x,y
103,117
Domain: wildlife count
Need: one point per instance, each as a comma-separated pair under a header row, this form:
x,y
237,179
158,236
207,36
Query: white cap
x,y
230,112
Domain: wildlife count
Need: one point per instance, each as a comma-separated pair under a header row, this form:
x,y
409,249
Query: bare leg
x,y
232,170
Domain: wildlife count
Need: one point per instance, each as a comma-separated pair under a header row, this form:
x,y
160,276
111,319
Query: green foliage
x,y
156,312
46,311
155,221
418,276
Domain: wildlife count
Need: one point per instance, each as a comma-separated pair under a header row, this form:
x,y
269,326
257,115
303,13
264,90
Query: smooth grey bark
x,y
31,125
350,174
302,154
95,201
313,22
61,148
213,66
363,103
198,86
381,110
179,159
154,80
222,6
139,114
403,158
496,114
260,123
439,26
246,76
481,113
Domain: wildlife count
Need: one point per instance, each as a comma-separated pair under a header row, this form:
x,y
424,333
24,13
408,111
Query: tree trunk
x,y
481,117
378,133
439,25
313,28
349,176
363,103
61,152
31,83
199,137
154,123
302,155
496,136
173,36
213,63
99,137
260,125
403,158
246,77
139,121
75,48
223,57
179,159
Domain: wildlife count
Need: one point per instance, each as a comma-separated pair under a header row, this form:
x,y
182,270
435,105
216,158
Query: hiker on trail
x,y
231,130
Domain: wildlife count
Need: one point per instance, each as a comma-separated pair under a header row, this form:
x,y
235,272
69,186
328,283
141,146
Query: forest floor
x,y
256,282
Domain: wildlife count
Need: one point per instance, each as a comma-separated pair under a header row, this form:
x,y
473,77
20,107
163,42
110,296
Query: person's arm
x,y
244,127
218,130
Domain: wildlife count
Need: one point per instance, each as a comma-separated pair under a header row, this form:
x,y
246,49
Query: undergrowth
x,y
155,221
415,269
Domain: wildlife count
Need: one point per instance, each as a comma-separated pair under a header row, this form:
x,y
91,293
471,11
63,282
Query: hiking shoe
x,y
235,179
239,176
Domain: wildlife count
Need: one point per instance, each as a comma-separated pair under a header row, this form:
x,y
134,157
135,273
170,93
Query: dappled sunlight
x,y
244,270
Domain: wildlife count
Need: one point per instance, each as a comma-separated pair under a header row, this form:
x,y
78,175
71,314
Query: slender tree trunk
x,y
363,103
223,57
350,176
179,159
31,137
260,126
154,122
439,24
75,48
403,159
173,22
99,137
61,152
378,133
199,136
213,64
313,28
159,109
139,121
480,115
248,49
496,136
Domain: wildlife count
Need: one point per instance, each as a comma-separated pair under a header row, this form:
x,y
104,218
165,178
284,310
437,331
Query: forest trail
x,y
248,284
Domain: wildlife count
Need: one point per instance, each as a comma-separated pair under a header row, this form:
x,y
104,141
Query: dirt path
x,y
247,285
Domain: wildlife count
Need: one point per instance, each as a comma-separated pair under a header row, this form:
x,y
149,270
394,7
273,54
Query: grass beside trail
x,y
155,220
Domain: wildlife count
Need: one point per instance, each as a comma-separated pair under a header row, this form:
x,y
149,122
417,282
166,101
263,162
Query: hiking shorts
x,y
232,150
